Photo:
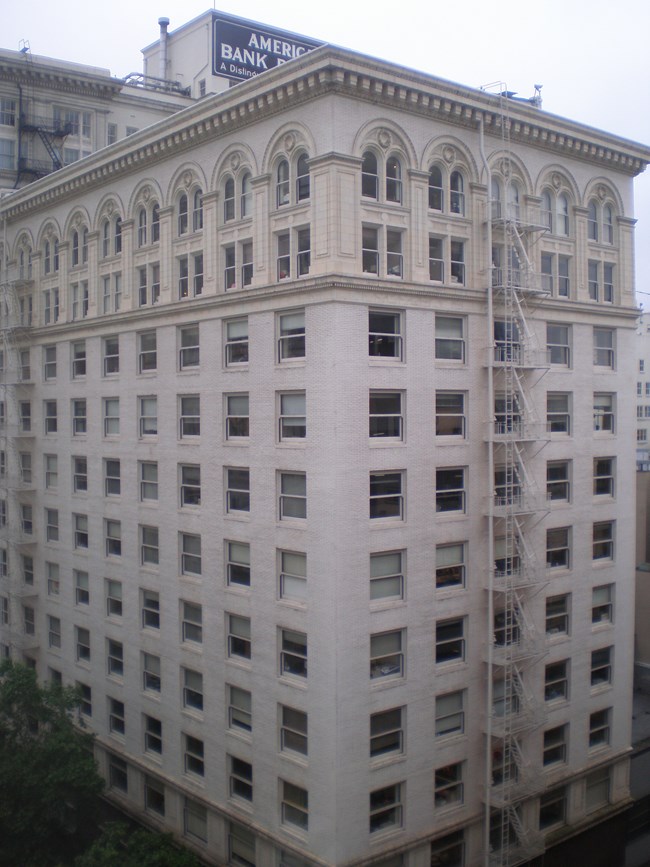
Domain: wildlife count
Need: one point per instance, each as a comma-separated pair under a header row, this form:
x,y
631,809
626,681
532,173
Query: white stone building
x,y
318,447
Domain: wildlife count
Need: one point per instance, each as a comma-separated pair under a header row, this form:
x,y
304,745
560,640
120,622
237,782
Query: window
x,y
193,755
558,484
458,262
450,714
80,300
112,480
190,554
116,718
147,352
27,522
555,745
386,576
239,709
49,362
229,200
558,552
191,622
237,420
192,689
148,284
602,604
82,642
195,820
394,255
239,636
78,359
603,540
556,681
152,735
295,806
111,294
81,587
189,347
293,576
111,355
148,473
52,525
386,414
448,785
450,640
111,416
237,490
29,620
25,371
118,776
151,680
115,657
387,654
597,786
241,779
384,334
154,796
293,730
236,341
592,280
604,347
293,496
601,666
282,184
449,339
387,495
448,851
558,417
150,609
557,615
599,728
78,417
4,610
450,490
291,339
450,566
197,210
552,808
604,416
49,412
54,631
436,258
190,416
293,653
86,707
182,217
113,598
241,846
292,416
386,808
246,198
50,305
148,416
25,410
80,523
386,732
113,535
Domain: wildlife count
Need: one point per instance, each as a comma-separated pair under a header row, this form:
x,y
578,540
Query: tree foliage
x,y
49,778
119,847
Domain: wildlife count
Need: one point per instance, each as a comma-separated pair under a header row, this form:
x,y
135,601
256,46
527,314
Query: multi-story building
x,y
316,466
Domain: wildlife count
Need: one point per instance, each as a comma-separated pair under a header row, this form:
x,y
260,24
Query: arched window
x,y
457,193
436,192
47,258
513,200
55,255
547,210
282,184
197,210
106,239
155,223
142,227
25,263
118,236
182,214
84,246
369,177
246,195
393,180
495,193
302,178
229,200
608,225
562,215
592,221
75,248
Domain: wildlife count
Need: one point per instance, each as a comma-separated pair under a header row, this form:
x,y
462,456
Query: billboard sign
x,y
242,49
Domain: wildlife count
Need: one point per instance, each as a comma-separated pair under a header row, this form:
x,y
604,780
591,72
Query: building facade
x,y
317,435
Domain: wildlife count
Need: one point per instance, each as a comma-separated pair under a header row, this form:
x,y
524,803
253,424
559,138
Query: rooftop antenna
x,y
23,46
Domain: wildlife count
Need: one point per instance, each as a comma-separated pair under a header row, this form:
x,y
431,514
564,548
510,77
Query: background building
x,y
317,429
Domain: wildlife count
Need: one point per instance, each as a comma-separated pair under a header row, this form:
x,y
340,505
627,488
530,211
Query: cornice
x,y
327,71
62,80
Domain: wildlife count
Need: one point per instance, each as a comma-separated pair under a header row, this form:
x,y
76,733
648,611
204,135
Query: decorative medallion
x,y
448,154
235,161
384,138
289,142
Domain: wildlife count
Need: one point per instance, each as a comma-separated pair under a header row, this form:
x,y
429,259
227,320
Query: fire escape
x,y
515,435
51,134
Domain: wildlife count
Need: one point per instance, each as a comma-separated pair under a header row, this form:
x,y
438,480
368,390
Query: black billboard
x,y
242,49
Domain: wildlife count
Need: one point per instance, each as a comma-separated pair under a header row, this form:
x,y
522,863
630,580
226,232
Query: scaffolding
x,y
515,364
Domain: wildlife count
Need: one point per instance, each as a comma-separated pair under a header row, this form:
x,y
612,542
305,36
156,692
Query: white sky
x,y
591,56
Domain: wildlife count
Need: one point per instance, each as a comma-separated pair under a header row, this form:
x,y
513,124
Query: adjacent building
x,y
315,471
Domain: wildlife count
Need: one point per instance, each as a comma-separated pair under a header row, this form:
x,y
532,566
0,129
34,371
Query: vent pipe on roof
x,y
164,24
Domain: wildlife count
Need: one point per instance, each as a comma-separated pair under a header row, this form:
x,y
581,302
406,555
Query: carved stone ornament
x,y
601,192
448,154
384,138
109,208
504,168
146,194
187,180
48,234
289,142
235,161
76,222
556,180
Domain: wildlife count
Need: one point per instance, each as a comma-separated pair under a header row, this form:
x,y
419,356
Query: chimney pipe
x,y
164,24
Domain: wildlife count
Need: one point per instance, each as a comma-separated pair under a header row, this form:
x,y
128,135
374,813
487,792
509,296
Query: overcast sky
x,y
592,58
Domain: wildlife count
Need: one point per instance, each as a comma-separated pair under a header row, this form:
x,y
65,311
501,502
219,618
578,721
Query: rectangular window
x,y
54,631
152,735
597,788
387,732
602,604
604,348
292,416
436,259
604,418
558,413
450,338
29,620
555,745
195,820
239,636
238,570
78,417
556,681
115,657
151,680
190,554
608,282
386,808
86,707
189,416
112,479
49,362
239,709
191,622
237,490
593,281
148,416
558,551
50,416
113,598
283,256
603,540
150,609
450,640
558,483
147,352
116,718
111,416
80,524
295,806
192,689
26,519
448,851
118,776
293,496
394,255
241,846
448,786
293,730
458,262
111,346
188,356
154,796
386,576
148,473
293,576
601,666
386,414
387,654
52,525
293,653
237,419
450,490
291,335
552,808
82,642
450,714
387,495
599,728
81,587
241,779
193,756
385,334
450,566
370,250
557,615
25,370
113,536
236,342
247,262
450,414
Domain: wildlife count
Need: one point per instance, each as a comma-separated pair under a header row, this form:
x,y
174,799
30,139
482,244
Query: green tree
x,y
119,847
49,788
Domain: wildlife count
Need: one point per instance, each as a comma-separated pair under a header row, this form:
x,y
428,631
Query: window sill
x,y
297,759
386,761
240,735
